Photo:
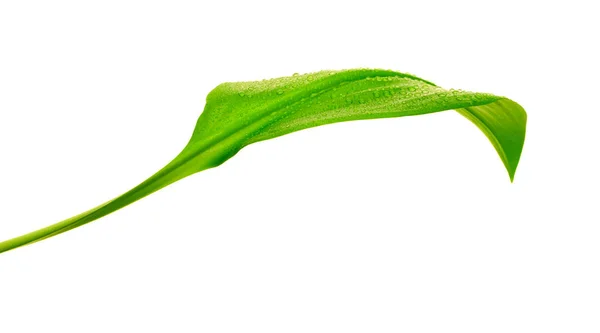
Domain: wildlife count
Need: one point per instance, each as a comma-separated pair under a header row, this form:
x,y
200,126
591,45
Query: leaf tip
x,y
504,123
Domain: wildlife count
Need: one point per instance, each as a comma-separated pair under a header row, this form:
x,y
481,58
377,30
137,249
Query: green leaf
x,y
240,113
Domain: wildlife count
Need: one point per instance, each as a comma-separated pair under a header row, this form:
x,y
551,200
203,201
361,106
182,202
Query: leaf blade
x,y
336,96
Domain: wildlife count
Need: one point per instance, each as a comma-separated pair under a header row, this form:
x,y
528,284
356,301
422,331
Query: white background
x,y
393,225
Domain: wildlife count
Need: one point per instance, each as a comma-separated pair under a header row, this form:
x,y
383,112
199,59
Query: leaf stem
x,y
171,173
